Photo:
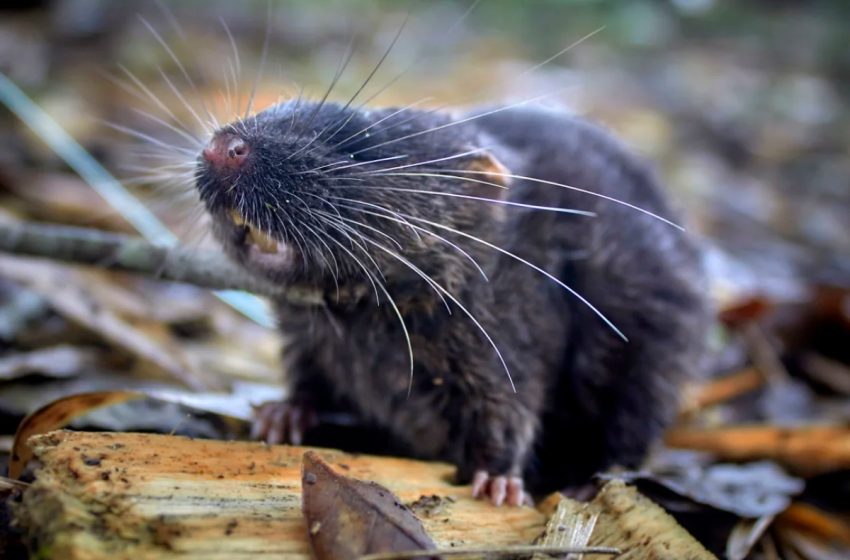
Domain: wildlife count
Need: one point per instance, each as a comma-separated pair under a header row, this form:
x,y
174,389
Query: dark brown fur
x,y
585,399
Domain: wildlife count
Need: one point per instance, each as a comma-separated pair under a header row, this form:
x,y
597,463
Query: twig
x,y
495,552
721,390
145,222
133,254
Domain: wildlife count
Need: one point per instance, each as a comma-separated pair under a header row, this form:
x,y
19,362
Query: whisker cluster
x,y
329,222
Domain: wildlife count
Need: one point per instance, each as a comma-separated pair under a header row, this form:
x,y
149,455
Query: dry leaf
x,y
56,415
55,361
752,490
70,294
348,518
746,311
745,535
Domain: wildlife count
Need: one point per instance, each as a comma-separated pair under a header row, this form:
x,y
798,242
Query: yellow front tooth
x,y
237,218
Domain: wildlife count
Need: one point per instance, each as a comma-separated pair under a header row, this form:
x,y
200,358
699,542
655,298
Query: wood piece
x,y
140,496
721,390
806,450
621,517
209,269
808,518
58,414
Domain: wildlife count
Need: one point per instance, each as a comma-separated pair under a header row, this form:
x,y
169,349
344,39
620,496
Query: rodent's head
x,y
321,194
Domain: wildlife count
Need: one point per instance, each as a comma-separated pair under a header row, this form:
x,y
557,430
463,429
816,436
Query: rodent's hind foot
x,y
282,422
500,489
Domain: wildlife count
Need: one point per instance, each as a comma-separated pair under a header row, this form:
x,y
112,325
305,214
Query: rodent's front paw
x,y
283,421
500,489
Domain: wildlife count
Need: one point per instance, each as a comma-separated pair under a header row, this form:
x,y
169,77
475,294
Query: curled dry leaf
x,y
753,490
56,415
745,311
745,535
57,361
349,518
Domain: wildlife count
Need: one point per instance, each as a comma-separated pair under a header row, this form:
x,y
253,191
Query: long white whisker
x,y
355,223
559,53
346,230
179,64
182,98
529,264
462,307
150,139
427,278
235,64
262,66
437,160
461,121
358,164
182,133
479,198
391,115
535,180
415,227
150,95
395,309
373,72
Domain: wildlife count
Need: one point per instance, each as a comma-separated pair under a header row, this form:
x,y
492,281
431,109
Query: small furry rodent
x,y
442,239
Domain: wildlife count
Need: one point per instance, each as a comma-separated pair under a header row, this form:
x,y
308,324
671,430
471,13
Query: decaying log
x,y
139,496
620,517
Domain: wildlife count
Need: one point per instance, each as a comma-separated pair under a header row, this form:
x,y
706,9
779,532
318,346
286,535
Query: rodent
x,y
364,204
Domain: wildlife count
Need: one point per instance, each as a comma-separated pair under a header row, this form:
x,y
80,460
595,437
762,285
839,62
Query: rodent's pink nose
x,y
226,150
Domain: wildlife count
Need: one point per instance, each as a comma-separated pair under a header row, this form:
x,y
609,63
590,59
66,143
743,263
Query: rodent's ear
x,y
488,169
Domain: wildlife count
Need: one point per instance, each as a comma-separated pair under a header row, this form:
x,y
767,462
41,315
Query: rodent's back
x,y
641,273
412,216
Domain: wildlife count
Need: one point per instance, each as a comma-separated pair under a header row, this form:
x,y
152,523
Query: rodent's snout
x,y
226,150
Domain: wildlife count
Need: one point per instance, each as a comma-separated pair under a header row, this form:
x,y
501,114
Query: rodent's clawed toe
x,y
282,422
500,489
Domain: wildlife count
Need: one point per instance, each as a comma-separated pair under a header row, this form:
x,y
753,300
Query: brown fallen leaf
x,y
807,450
349,518
746,311
56,415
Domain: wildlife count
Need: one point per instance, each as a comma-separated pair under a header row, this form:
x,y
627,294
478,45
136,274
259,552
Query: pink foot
x,y
500,489
282,422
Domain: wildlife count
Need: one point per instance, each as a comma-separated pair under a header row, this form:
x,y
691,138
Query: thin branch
x,y
126,253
